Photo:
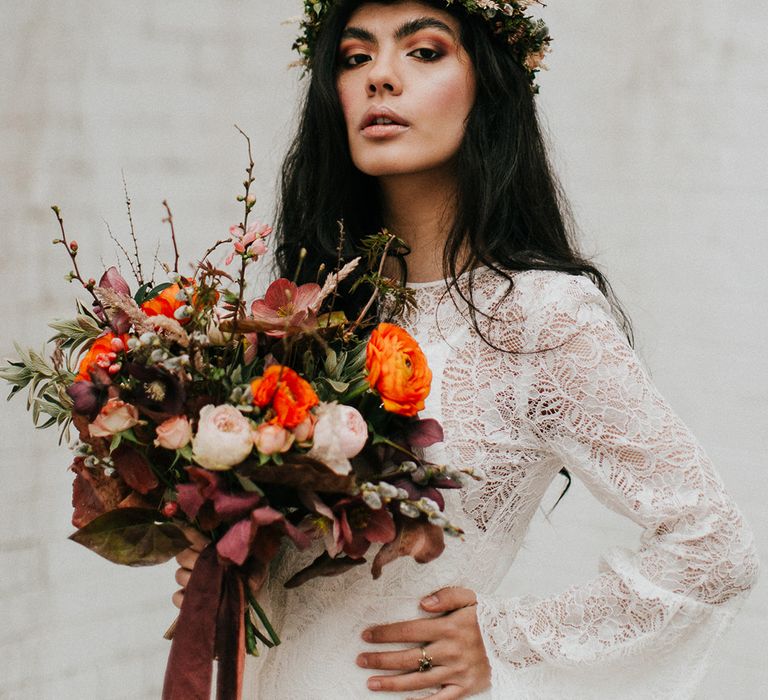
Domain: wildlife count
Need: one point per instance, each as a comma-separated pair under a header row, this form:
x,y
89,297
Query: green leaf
x,y
116,440
132,537
248,485
338,387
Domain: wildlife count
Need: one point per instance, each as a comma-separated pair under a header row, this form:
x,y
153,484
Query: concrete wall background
x,y
658,115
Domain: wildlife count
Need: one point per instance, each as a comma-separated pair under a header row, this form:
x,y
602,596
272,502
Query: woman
x,y
421,119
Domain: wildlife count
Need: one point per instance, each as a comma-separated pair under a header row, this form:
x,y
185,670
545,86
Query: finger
x,y
187,558
178,598
448,692
410,681
447,599
183,576
415,631
402,660
197,540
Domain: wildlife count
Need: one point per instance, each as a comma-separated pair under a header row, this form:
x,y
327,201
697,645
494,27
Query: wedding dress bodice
x,y
563,388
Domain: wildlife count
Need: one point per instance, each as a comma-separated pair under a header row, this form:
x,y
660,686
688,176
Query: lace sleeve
x,y
643,626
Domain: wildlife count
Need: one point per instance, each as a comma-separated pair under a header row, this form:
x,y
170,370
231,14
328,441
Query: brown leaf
x,y
416,538
131,536
324,565
301,473
93,493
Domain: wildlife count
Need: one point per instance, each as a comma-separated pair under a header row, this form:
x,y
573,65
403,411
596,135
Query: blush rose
x,y
223,438
174,433
114,417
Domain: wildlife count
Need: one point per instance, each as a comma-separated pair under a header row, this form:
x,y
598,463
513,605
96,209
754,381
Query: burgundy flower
x,y
113,280
89,396
356,526
157,392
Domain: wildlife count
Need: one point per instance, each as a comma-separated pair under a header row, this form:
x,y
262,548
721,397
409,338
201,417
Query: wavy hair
x,y
511,214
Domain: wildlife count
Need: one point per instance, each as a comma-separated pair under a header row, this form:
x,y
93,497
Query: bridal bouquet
x,y
253,421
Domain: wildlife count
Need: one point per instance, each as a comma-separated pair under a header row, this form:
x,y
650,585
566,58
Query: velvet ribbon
x,y
211,626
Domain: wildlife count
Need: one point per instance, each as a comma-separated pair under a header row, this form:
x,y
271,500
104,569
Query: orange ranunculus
x,y
397,369
101,354
164,304
290,396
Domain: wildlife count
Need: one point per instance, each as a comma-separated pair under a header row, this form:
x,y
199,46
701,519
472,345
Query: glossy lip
x,y
368,126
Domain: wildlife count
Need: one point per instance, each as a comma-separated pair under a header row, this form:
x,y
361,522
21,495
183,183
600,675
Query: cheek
x,y
451,101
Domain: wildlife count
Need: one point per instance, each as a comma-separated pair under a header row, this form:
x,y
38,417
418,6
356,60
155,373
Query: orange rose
x,y
101,354
397,370
290,396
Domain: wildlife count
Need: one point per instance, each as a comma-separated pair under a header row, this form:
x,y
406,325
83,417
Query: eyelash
x,y
346,61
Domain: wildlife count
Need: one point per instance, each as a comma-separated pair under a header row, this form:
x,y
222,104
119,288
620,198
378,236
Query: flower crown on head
x,y
528,37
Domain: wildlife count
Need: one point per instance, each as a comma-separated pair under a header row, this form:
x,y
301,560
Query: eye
x,y
355,59
425,54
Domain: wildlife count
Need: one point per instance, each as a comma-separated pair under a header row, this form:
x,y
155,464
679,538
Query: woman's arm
x,y
650,616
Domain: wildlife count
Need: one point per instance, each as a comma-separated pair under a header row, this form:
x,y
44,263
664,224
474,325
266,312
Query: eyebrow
x,y
407,29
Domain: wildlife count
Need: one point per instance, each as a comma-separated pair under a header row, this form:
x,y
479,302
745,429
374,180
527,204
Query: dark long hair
x,y
511,214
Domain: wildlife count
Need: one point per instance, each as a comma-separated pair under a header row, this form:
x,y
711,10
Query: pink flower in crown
x,y
251,240
286,307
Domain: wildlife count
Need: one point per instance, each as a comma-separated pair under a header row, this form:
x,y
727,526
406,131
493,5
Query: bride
x,y
420,117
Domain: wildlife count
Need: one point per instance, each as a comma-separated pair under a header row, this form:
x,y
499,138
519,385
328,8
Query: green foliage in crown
x,y
527,36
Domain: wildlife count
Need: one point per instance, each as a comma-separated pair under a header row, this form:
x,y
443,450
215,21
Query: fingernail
x,y
361,661
374,684
367,636
430,601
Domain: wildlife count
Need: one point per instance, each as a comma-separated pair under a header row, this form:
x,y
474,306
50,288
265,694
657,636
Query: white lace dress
x,y
571,394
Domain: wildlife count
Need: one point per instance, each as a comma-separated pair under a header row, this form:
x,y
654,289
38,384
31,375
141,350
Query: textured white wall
x,y
658,120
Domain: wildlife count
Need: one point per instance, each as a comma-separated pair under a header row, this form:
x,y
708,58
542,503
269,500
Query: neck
x,y
420,210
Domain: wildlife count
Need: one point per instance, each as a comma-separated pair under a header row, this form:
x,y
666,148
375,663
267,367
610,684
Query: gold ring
x,y
425,662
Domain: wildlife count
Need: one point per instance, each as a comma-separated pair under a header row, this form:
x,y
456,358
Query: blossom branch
x,y
71,248
169,220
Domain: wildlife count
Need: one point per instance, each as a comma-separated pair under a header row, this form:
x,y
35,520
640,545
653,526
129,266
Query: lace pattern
x,y
572,393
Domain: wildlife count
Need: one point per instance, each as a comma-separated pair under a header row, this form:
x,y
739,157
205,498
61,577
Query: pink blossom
x,y
286,307
113,418
250,241
174,433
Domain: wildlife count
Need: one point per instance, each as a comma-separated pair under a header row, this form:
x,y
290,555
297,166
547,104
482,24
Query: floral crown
x,y
528,37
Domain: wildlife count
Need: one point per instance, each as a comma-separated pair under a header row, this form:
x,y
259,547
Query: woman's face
x,y
406,87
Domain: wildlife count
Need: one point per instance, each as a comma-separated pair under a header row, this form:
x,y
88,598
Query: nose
x,y
383,77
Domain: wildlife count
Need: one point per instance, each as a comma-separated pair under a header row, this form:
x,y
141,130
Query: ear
x,y
448,599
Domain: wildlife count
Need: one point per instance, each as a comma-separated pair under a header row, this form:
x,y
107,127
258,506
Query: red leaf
x,y
93,493
416,538
134,468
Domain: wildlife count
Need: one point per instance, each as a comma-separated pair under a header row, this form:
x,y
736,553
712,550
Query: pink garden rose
x,y
174,433
114,417
271,439
223,438
340,433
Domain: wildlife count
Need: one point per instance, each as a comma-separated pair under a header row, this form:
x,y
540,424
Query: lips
x,y
382,121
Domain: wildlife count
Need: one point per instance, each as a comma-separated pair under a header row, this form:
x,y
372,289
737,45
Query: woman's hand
x,y
452,641
186,561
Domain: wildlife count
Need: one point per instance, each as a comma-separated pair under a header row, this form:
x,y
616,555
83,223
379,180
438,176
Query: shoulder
x,y
543,309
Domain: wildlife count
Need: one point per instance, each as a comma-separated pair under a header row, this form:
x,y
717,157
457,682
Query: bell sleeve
x,y
644,626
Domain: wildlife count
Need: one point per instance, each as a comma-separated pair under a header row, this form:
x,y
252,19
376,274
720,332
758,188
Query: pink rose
x,y
114,417
223,438
271,439
340,433
174,433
